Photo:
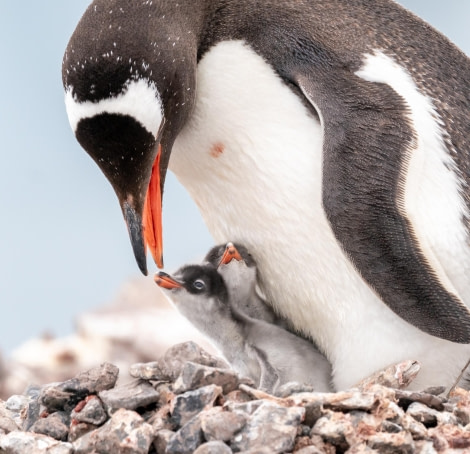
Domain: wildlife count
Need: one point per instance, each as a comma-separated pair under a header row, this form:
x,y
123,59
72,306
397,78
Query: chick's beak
x,y
164,280
230,253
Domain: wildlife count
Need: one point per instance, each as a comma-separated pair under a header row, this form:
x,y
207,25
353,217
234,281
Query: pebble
x,y
126,431
27,442
270,427
170,366
335,428
138,393
55,425
187,439
16,403
392,443
188,401
213,447
92,412
66,395
195,375
397,376
187,405
222,425
161,440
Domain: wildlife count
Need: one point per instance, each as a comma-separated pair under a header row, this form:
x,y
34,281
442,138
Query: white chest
x,y
251,159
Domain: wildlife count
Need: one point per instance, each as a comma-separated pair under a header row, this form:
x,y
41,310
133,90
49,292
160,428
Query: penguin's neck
x,y
225,330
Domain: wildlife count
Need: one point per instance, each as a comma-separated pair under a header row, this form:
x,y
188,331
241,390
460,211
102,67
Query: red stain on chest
x,y
217,149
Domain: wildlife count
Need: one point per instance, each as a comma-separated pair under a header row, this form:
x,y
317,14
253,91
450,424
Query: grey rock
x,y
187,405
423,414
169,367
430,417
33,391
424,447
245,407
187,439
417,430
7,424
390,427
347,401
309,450
78,429
27,442
362,448
237,396
313,411
222,425
213,447
179,354
398,375
31,412
392,443
55,426
126,432
67,394
55,399
138,393
435,390
92,412
293,387
393,413
93,380
161,440
405,398
335,428
16,403
155,370
364,420
195,375
271,427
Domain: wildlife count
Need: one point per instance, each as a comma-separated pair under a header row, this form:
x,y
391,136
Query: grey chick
x,y
264,352
238,269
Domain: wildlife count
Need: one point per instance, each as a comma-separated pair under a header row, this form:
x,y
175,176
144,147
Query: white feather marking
x,y
140,100
433,201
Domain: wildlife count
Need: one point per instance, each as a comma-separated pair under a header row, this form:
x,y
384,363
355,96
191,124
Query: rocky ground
x,y
189,401
141,399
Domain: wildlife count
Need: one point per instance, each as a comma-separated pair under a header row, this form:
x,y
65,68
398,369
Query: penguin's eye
x,y
199,284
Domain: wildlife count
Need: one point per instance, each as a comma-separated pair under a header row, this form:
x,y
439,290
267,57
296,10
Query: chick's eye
x,y
199,284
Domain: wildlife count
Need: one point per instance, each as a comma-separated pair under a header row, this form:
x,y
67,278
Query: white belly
x,y
254,169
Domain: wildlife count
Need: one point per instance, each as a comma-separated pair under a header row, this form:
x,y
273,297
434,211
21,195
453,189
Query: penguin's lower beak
x,y
152,216
166,281
230,253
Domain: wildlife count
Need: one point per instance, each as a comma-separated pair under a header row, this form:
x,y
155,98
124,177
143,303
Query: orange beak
x,y
152,215
231,253
166,281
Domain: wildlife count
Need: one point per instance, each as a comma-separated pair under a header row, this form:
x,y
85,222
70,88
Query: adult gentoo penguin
x,y
329,137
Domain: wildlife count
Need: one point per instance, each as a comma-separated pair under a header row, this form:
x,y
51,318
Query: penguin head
x,y
223,254
197,291
129,80
236,266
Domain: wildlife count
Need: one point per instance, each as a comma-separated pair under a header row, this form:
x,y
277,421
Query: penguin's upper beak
x,y
164,280
144,219
230,253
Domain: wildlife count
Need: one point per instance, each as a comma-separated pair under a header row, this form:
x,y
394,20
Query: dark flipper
x,y
367,142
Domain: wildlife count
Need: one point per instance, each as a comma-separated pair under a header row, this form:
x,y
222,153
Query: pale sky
x,y
63,243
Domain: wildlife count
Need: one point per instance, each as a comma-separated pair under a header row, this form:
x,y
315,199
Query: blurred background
x,y
64,247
